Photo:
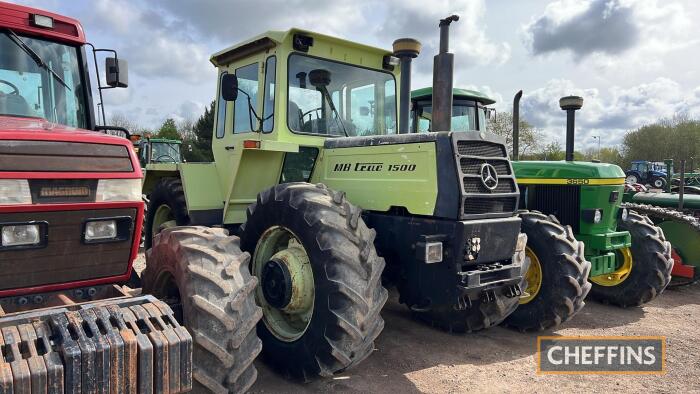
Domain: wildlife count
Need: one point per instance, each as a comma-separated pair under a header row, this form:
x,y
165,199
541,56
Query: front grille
x,y
51,156
562,201
480,205
480,200
481,148
64,258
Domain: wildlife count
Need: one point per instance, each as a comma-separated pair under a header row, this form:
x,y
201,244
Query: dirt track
x,y
411,357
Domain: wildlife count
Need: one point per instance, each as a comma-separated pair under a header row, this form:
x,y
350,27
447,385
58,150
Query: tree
x,y
168,130
198,147
530,137
677,138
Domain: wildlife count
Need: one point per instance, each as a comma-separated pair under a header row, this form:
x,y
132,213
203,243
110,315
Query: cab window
x,y
243,117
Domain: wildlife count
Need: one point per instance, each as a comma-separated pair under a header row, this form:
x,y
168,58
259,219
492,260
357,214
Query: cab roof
x,y
17,18
426,93
273,38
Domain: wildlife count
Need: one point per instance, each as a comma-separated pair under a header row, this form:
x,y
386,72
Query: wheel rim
x,y
621,274
631,179
286,284
533,277
162,218
658,183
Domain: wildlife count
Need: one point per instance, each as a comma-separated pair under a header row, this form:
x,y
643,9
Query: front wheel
x,y
658,183
203,275
166,208
320,279
644,269
557,276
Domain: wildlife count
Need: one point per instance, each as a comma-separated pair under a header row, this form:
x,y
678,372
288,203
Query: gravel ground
x,y
411,357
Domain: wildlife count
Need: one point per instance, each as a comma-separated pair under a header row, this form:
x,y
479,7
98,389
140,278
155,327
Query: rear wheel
x,y
166,208
557,279
644,269
658,183
320,279
632,178
203,275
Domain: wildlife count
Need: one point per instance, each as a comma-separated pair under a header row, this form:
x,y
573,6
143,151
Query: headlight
x,y
15,191
433,252
100,230
624,214
118,190
521,243
21,235
597,216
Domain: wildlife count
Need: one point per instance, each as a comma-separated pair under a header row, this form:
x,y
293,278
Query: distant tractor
x,y
70,222
307,132
647,173
630,258
159,151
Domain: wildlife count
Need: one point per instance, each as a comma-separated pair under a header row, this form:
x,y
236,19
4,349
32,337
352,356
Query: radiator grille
x,y
50,156
563,201
480,200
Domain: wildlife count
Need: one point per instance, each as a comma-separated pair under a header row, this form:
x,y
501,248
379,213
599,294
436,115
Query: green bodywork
x,y
247,163
597,183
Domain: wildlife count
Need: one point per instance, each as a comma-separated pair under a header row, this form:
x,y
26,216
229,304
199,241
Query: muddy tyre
x,y
327,322
166,208
651,265
557,276
203,275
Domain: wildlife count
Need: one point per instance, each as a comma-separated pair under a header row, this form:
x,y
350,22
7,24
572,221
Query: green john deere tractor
x,y
306,134
630,257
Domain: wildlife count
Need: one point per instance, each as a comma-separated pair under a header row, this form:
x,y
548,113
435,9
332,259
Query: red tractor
x,y
70,222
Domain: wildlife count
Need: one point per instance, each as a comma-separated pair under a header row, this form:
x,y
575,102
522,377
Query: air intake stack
x,y
570,104
443,73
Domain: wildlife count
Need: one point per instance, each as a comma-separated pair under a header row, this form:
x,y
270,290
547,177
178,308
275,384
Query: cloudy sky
x,y
633,61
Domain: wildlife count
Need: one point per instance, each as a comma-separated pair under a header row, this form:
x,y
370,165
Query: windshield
x,y
29,90
337,99
163,152
464,118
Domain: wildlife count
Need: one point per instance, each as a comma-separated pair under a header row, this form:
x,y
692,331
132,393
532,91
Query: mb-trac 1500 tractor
x,y
306,133
630,257
70,223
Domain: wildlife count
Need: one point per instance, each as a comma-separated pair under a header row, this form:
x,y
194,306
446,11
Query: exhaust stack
x,y
516,125
443,71
570,104
405,49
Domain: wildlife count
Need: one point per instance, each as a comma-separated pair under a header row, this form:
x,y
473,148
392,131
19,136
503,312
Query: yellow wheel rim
x,y
533,277
619,276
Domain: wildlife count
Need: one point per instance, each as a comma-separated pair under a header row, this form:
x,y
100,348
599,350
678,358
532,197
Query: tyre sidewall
x,y
163,195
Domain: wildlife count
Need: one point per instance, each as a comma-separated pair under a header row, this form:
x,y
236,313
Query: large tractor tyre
x,y
203,275
166,208
645,270
320,279
557,278
632,178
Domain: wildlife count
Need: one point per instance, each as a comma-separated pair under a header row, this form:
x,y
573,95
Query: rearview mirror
x,y
229,87
117,72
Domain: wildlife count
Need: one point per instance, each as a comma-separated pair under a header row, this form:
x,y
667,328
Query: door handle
x,y
229,147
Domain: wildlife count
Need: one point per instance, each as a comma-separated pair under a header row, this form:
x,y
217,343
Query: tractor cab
x,y
159,150
469,110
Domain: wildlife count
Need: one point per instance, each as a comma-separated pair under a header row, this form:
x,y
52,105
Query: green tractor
x,y
630,258
306,133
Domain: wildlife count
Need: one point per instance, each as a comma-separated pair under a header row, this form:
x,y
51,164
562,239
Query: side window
x,y
243,118
363,111
221,113
297,167
390,109
269,97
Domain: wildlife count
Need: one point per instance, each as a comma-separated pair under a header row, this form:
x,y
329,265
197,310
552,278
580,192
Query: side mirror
x,y
117,72
229,87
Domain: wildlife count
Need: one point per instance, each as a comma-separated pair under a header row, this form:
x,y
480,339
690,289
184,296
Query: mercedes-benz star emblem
x,y
489,176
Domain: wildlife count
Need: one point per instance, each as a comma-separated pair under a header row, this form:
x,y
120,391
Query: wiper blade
x,y
338,120
35,56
